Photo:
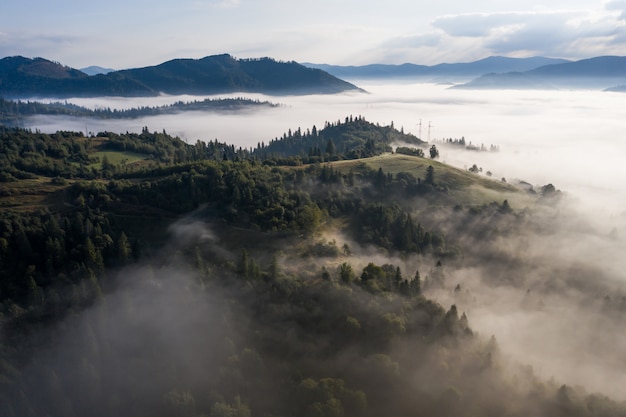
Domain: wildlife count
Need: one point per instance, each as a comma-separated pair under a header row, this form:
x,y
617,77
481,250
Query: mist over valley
x,y
543,136
229,208
530,254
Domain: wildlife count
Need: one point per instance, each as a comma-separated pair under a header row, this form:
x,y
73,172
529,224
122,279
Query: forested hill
x,y
143,276
351,139
599,72
13,112
23,77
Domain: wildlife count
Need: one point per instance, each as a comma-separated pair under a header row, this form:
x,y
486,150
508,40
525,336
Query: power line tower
x,y
429,127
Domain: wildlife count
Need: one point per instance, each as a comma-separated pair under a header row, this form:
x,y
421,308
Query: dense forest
x,y
353,139
13,112
290,279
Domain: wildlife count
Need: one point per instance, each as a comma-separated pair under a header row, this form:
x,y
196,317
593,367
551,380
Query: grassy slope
x,y
118,157
464,187
31,194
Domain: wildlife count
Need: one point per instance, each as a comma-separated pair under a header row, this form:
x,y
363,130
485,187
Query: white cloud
x,y
571,34
338,33
478,24
618,5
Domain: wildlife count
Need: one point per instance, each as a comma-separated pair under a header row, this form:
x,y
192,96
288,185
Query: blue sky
x,y
134,33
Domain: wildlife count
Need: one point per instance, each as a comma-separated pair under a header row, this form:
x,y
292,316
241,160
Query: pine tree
x,y
416,284
430,175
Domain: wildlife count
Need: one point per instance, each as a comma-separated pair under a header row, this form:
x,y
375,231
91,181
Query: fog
x,y
552,318
545,136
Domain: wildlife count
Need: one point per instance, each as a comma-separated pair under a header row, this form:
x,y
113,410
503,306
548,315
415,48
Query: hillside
x,y
144,275
352,138
598,73
22,77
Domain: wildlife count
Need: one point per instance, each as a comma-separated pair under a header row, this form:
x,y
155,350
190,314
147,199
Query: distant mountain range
x,y
24,78
604,72
27,78
440,72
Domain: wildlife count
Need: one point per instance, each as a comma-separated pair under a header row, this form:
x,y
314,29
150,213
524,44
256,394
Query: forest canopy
x,y
145,276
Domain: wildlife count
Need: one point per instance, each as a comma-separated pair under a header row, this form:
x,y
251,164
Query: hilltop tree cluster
x,y
354,138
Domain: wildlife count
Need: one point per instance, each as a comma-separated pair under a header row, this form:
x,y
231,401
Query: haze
x,y
550,310
569,138
572,139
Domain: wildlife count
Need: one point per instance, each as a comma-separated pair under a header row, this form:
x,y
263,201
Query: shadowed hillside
x,y
22,77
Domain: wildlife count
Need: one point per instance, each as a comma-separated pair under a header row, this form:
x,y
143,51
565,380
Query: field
x,y
118,158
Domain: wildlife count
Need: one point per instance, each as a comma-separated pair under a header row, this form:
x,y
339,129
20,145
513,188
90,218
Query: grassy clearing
x,y
31,194
118,158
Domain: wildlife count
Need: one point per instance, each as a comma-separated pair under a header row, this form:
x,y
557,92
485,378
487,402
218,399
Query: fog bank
x,y
572,139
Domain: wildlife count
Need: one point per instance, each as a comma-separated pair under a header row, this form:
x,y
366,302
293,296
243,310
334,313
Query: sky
x,y
122,34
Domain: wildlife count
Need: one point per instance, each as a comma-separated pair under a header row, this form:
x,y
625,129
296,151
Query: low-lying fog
x,y
569,138
572,139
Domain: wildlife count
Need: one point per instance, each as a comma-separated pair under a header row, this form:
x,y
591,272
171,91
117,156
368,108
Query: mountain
x,y
37,67
19,74
23,77
435,72
599,72
223,73
95,70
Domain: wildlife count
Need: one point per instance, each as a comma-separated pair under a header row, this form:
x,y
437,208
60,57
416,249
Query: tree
x,y
309,217
380,179
107,167
505,207
244,266
430,175
123,249
274,269
416,285
547,190
434,152
181,403
345,272
330,147
223,409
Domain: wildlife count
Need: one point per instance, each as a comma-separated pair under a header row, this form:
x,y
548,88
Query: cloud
x,y
478,24
565,33
571,34
619,5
